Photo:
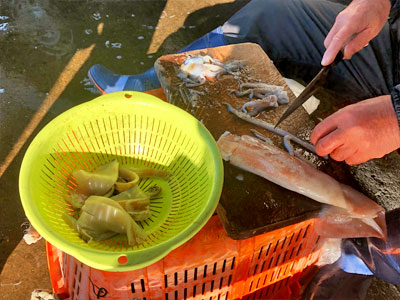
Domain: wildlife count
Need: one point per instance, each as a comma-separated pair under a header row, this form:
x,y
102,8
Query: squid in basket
x,y
108,201
349,214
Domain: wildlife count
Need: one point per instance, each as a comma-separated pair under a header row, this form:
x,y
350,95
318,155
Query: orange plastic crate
x,y
209,266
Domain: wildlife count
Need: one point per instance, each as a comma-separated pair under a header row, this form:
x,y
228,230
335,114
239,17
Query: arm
x,y
354,27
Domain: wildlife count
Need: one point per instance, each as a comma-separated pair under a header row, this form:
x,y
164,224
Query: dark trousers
x,y
292,33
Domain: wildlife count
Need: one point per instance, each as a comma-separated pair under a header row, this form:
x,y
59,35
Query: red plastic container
x,y
209,266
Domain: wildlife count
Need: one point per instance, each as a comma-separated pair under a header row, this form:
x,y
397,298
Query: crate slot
x,y
316,243
276,246
267,290
273,288
283,243
284,257
272,276
305,233
215,268
298,251
132,287
258,282
291,269
265,279
266,253
259,254
176,278
279,272
205,271
233,264
291,254
186,276
270,262
143,285
255,269
298,235
284,272
262,266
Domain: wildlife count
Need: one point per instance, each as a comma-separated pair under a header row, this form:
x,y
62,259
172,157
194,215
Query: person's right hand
x,y
354,27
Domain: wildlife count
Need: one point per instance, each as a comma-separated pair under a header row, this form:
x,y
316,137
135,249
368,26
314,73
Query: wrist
x,y
392,113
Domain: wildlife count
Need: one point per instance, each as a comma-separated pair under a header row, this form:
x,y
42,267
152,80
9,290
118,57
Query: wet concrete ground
x,y
46,49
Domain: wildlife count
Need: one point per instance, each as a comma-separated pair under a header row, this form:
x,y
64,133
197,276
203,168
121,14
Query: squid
x,y
286,135
196,70
101,218
261,91
259,105
145,173
279,167
136,202
99,182
127,179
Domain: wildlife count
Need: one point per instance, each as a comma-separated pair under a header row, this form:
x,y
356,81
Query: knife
x,y
311,88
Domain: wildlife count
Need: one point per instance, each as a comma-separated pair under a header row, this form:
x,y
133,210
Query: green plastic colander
x,y
140,131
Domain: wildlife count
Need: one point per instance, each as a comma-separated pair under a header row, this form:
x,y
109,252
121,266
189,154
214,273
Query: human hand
x,y
359,132
354,27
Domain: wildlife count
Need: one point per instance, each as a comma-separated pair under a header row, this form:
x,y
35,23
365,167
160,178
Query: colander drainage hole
x,y
122,259
128,96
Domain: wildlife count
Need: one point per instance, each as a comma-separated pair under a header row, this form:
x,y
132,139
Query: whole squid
x,y
278,166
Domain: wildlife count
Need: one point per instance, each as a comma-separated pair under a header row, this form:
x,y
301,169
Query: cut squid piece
x,y
140,215
101,216
76,199
136,199
144,173
129,176
98,182
276,165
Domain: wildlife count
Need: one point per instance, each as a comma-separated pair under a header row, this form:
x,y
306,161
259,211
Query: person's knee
x,y
259,17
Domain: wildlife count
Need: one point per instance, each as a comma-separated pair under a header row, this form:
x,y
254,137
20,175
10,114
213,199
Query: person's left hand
x,y
359,132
